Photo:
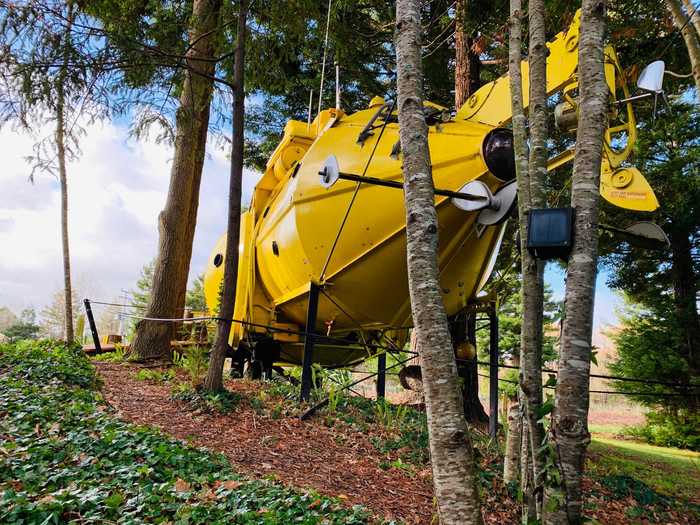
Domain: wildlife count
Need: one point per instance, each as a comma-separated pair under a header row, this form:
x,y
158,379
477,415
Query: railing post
x,y
309,337
381,375
93,326
493,372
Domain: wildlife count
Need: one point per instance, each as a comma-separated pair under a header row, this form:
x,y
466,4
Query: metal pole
x,y
399,186
337,85
493,372
309,342
93,326
381,375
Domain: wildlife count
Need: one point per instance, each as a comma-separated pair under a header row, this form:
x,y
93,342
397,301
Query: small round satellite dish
x,y
477,189
330,172
648,235
501,205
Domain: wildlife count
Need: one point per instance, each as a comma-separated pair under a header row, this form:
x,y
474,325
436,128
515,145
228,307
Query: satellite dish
x,y
641,234
648,235
501,205
330,172
652,77
477,189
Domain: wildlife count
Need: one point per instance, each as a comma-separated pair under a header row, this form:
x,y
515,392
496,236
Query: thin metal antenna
x,y
337,85
323,65
311,101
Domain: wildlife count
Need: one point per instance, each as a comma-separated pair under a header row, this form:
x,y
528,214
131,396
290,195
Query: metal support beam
x,y
93,326
309,337
381,375
399,186
493,372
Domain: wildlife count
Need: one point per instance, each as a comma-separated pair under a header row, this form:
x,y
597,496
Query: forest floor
x,y
375,454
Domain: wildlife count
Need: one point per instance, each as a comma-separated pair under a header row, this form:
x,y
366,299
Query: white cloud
x,y
116,190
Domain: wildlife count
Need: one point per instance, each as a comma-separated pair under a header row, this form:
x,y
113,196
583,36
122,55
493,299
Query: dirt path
x,y
301,454
335,461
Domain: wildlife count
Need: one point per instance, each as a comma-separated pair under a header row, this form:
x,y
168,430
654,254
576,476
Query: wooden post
x,y
493,372
93,326
381,375
311,312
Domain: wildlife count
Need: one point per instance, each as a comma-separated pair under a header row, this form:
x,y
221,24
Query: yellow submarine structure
x,y
309,226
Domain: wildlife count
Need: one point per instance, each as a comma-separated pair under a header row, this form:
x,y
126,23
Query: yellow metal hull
x,y
288,234
352,240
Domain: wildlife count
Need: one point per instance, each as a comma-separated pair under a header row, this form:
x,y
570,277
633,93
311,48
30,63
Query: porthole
x,y
218,260
275,248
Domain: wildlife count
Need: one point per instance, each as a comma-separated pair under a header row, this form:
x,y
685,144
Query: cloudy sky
x,y
116,190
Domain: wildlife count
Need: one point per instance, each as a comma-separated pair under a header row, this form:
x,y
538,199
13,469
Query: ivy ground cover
x,y
65,457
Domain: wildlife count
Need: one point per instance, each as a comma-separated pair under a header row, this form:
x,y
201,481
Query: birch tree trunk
x,y
691,40
529,512
533,269
176,223
450,447
530,174
693,14
214,379
569,429
63,177
511,460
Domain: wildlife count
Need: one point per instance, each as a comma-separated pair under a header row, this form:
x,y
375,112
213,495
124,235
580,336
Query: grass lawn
x,y
669,471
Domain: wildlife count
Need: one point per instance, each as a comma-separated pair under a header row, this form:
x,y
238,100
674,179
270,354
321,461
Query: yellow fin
x,y
627,188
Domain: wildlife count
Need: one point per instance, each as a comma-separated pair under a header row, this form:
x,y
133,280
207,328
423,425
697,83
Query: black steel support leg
x,y
381,375
93,326
309,342
493,372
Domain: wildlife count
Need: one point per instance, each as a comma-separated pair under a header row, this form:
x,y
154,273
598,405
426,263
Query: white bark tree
x,y
530,171
451,452
569,429
691,38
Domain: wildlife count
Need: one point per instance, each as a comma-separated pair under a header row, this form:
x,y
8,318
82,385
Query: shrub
x,y
681,429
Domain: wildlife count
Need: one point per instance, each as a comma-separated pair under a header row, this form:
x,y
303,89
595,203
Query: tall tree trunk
x,y
685,296
60,137
693,14
528,511
176,223
533,269
214,379
467,62
511,462
451,452
569,429
530,178
691,39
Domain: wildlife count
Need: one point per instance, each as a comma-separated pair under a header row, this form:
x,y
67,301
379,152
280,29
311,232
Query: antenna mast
x,y
325,51
337,85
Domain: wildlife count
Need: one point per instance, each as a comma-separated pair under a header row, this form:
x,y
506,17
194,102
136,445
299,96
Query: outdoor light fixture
x,y
550,233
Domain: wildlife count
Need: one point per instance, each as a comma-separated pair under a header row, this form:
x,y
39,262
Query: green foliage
x,y
194,360
157,376
221,402
195,299
23,328
510,320
670,429
119,355
141,295
65,457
